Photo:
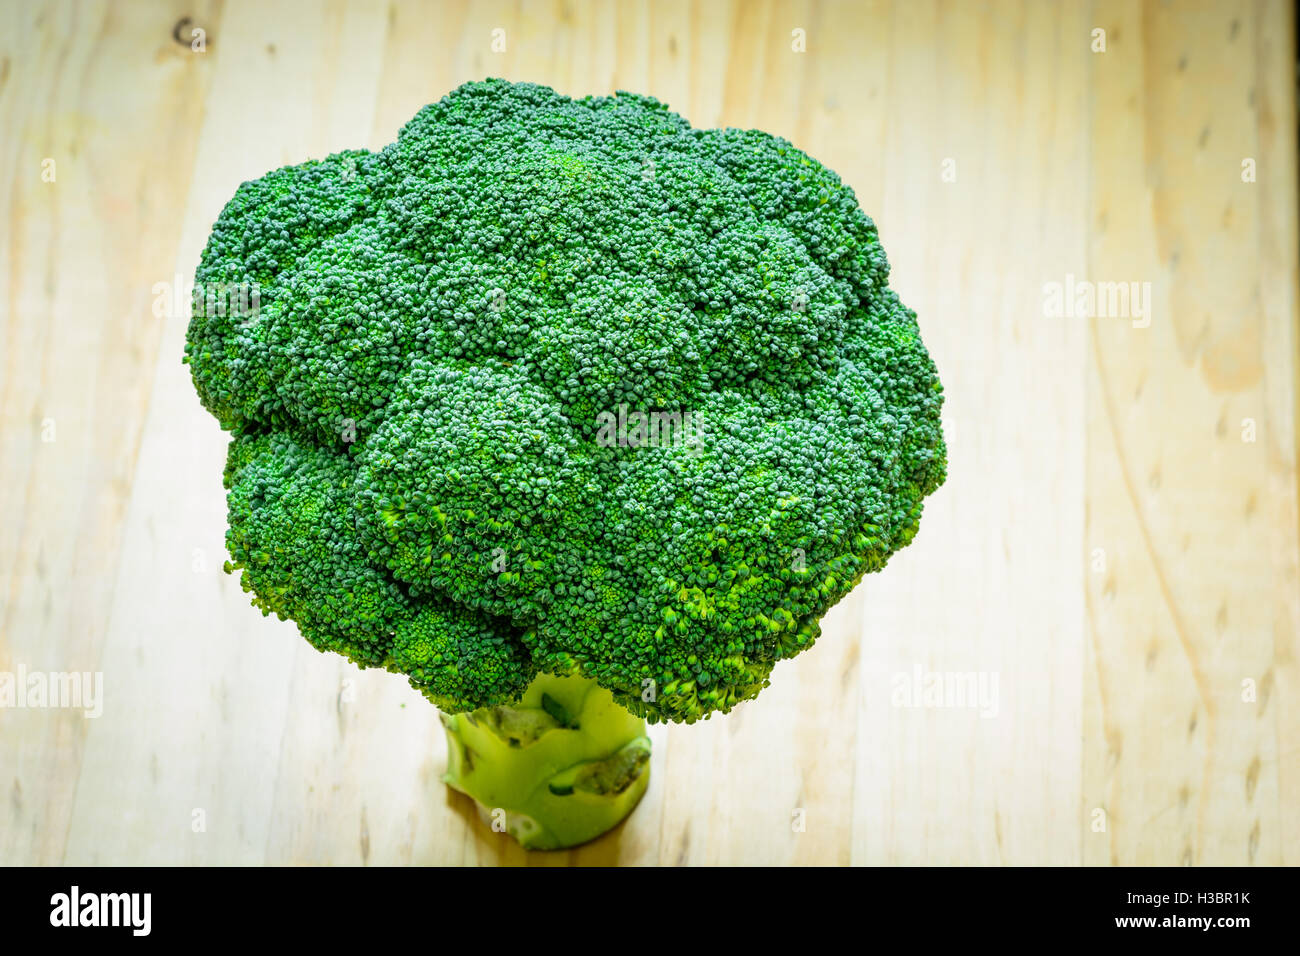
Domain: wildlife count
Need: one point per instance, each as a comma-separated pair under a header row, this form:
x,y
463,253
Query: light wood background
x,y
1111,544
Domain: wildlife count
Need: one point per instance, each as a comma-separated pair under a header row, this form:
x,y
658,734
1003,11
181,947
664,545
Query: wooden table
x,y
1116,545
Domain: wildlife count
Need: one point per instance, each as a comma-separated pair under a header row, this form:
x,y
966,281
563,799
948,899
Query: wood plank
x,y
1191,439
990,586
1119,690
106,93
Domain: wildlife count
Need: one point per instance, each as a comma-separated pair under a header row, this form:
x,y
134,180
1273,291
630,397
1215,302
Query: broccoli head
x,y
556,386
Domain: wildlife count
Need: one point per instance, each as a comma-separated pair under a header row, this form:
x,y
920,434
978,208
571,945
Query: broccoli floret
x,y
420,474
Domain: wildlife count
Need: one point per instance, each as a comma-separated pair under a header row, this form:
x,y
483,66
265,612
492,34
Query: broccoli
x,y
458,412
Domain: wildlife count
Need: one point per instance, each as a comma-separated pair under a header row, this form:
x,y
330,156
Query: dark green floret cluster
x,y
414,475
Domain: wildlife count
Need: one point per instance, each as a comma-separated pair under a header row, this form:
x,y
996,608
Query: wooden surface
x,y
1111,545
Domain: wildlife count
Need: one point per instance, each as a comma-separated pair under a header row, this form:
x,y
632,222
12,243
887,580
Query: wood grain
x,y
1111,547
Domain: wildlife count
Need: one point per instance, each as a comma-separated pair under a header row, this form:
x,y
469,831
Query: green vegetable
x,y
550,782
440,462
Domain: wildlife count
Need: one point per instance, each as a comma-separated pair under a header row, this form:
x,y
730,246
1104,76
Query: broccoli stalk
x,y
559,767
